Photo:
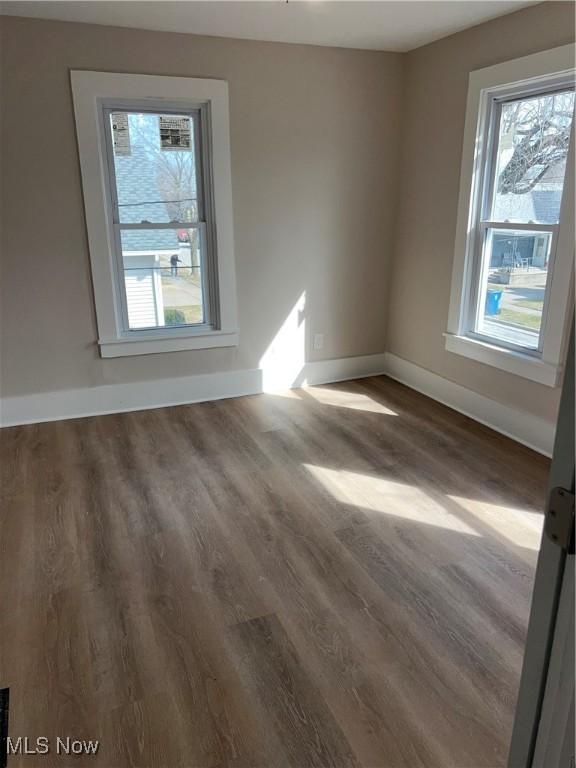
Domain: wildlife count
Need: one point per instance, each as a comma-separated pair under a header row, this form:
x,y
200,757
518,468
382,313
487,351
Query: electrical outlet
x,y
318,341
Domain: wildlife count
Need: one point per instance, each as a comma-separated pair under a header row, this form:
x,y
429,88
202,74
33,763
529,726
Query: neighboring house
x,y
143,282
540,204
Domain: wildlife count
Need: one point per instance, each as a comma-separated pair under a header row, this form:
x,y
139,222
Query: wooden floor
x,y
340,576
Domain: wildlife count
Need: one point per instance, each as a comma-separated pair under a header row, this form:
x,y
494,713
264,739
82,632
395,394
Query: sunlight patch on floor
x,y
387,497
353,400
520,527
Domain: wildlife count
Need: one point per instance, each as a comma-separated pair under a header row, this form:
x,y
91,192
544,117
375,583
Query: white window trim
x,y
483,84
92,89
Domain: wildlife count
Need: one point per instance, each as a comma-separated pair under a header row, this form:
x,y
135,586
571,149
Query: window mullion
x,y
524,226
152,225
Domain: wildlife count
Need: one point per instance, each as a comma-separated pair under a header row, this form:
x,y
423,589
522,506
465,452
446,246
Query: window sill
x,y
148,345
507,360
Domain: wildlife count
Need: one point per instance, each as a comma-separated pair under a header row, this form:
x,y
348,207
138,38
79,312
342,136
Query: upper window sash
x,y
111,108
496,104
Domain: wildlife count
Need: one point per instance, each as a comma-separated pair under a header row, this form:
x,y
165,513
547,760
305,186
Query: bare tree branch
x,y
544,125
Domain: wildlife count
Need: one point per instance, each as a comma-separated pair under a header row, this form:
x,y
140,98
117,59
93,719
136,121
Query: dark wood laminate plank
x,y
285,697
448,621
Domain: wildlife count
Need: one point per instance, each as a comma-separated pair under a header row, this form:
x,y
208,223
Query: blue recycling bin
x,y
493,299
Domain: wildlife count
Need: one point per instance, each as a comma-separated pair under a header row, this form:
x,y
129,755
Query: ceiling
x,y
389,26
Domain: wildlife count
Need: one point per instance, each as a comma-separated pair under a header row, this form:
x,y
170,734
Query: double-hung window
x,y
511,290
155,165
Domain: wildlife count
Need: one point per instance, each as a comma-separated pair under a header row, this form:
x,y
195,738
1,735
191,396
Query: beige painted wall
x,y
314,134
436,79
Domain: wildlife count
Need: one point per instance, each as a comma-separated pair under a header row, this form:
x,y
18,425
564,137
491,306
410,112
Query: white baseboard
x,y
519,425
117,398
159,393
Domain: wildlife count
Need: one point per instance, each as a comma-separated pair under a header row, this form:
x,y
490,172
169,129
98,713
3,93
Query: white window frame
x,y
540,71
93,94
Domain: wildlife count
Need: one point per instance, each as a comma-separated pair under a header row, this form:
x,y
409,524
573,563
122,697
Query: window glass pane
x,y
163,277
513,285
533,139
155,167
